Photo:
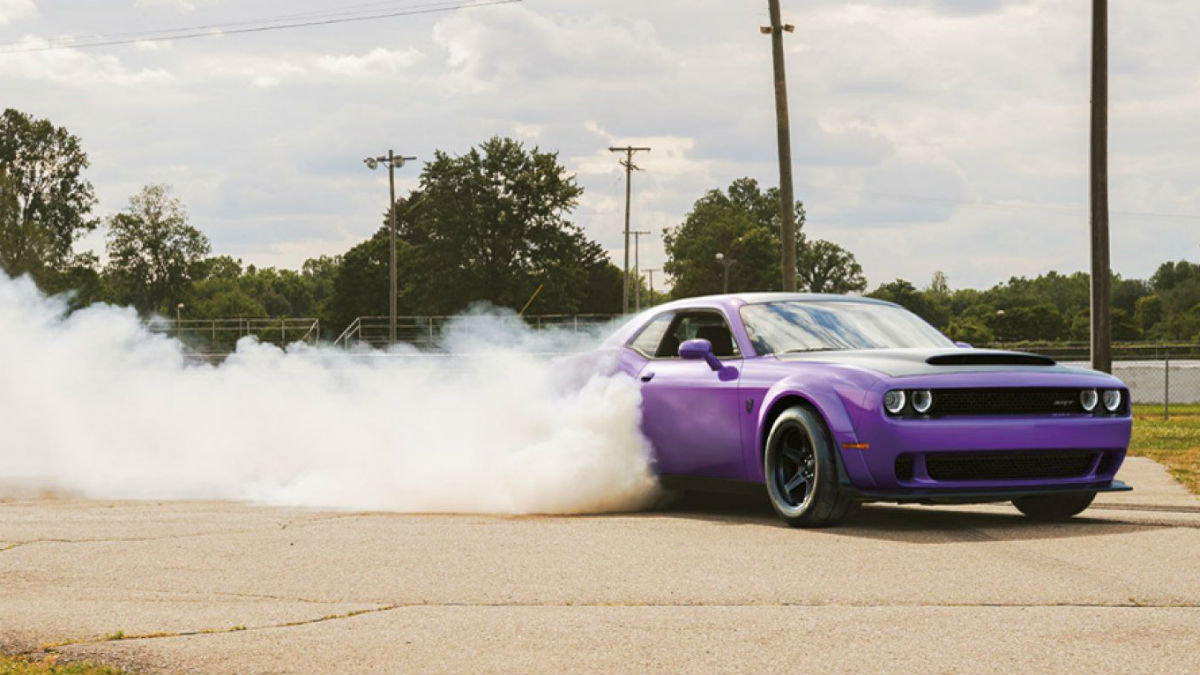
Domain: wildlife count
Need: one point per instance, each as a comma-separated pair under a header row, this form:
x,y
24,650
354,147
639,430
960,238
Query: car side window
x,y
648,340
705,325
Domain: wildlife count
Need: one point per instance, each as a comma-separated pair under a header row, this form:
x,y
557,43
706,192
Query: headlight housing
x,y
1112,400
894,401
1088,398
922,401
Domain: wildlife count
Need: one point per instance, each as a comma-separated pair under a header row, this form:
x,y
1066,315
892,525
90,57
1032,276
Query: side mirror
x,y
695,350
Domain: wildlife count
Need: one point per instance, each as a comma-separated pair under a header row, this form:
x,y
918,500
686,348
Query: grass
x,y
12,665
1175,443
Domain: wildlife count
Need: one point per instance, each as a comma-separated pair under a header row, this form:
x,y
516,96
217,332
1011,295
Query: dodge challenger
x,y
832,401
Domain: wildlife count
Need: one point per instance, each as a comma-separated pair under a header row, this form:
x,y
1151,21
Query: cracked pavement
x,y
223,588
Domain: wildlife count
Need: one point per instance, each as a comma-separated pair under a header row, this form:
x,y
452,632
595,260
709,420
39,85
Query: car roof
x,y
738,299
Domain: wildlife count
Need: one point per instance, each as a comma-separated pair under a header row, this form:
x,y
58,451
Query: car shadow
x,y
917,524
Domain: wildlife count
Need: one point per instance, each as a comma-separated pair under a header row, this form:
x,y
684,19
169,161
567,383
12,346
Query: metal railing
x,y
425,332
218,337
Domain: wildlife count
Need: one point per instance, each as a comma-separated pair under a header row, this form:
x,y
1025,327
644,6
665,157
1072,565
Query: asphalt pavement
x,y
187,587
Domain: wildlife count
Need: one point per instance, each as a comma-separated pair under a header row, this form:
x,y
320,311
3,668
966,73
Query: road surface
x,y
222,588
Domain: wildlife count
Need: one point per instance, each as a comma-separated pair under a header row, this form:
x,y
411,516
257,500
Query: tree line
x,y
493,225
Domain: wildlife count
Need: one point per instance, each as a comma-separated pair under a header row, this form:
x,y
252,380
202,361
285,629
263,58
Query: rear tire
x,y
801,471
1053,508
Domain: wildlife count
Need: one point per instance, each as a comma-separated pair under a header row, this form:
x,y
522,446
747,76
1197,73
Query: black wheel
x,y
1051,508
801,472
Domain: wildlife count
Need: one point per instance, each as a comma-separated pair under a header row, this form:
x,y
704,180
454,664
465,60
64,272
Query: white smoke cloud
x,y
92,404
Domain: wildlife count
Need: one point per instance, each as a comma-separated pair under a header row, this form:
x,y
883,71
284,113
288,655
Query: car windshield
x,y
797,326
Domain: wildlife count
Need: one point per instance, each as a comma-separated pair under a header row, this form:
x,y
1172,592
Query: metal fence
x,y
425,332
216,338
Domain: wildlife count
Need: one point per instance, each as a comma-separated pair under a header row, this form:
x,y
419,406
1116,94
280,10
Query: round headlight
x,y
894,401
1088,398
1112,400
922,400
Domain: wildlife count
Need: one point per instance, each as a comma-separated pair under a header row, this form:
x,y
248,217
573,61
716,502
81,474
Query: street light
x,y
178,312
727,262
393,162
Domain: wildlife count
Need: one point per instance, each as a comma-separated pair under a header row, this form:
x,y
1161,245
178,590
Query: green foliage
x,y
487,226
825,267
153,252
45,203
742,223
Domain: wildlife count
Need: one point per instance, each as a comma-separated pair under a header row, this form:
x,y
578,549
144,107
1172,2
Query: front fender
x,y
839,397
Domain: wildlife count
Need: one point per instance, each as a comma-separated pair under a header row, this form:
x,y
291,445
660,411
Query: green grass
x,y
1174,443
49,665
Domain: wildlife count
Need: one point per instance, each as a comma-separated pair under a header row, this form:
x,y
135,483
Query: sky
x,y
927,135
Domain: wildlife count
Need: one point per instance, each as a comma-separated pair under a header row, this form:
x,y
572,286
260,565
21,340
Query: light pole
x,y
783,135
727,262
393,160
637,290
178,316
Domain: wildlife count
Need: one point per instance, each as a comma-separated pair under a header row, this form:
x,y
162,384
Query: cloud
x,y
74,67
13,10
519,44
378,61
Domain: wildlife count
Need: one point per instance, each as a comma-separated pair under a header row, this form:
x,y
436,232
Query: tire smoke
x,y
94,405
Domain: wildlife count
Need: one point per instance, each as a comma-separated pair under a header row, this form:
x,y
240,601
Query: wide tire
x,y
1053,508
801,471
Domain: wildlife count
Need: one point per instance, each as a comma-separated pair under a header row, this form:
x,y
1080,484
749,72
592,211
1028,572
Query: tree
x,y
45,202
153,253
742,223
825,267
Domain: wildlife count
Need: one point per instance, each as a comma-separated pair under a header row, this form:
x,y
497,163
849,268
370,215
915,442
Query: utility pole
x,y
393,160
786,196
1101,279
630,167
650,271
726,261
637,290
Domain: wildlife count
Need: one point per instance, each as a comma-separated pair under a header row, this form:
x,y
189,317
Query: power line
x,y
215,30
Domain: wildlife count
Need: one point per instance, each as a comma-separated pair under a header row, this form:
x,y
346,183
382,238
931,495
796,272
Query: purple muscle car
x,y
832,401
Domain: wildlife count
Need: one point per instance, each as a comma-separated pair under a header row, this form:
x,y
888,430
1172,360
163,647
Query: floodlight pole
x,y
1101,332
393,160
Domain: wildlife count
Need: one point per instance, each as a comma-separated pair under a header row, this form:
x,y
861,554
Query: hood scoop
x,y
985,358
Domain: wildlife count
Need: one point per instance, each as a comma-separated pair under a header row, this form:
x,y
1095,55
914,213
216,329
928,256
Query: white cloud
x,y
375,62
74,67
12,10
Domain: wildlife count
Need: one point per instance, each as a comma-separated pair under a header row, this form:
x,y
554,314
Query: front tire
x,y
801,471
1053,508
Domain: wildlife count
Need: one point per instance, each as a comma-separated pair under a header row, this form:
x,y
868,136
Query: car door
x,y
689,414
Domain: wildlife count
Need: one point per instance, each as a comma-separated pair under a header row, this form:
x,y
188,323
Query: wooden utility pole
x,y
637,288
650,271
630,167
1101,275
787,201
393,161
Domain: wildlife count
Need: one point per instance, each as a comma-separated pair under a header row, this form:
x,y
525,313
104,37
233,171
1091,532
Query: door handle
x,y
646,377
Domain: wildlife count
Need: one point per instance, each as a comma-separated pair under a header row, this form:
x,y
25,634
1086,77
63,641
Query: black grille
x,y
904,467
1011,401
967,466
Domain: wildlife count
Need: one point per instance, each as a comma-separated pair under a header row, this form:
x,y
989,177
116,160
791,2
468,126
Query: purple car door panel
x,y
691,418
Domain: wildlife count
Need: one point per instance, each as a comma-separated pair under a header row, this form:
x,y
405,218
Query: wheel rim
x,y
794,473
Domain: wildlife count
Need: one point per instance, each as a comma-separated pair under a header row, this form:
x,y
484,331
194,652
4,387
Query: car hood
x,y
912,362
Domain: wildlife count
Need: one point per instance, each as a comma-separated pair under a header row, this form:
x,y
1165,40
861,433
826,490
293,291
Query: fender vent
x,y
990,359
